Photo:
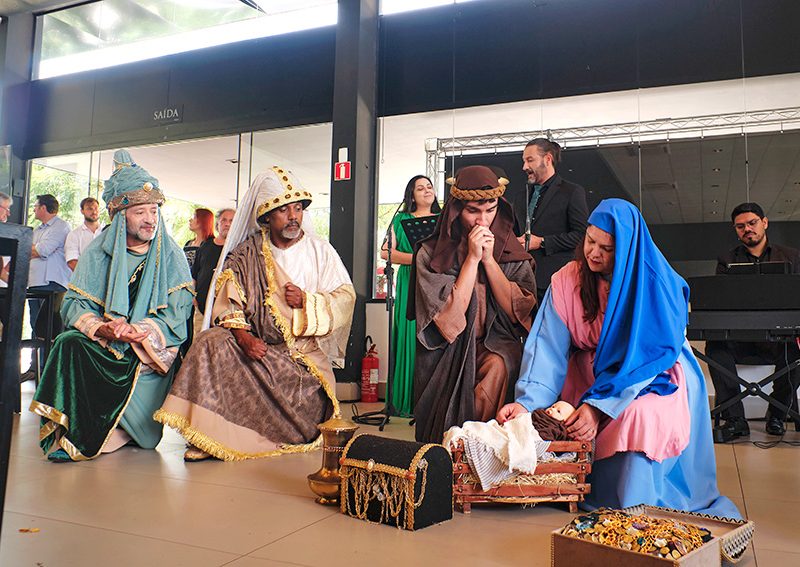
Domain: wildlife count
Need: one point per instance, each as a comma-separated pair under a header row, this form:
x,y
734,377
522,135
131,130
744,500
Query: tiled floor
x,y
149,508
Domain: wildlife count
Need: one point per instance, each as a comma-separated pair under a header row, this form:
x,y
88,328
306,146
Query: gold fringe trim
x,y
225,276
87,295
285,327
216,449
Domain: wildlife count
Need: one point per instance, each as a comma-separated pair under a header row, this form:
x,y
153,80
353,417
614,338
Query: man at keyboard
x,y
751,225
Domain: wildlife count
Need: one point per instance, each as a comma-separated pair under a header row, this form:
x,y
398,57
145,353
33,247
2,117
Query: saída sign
x,y
168,114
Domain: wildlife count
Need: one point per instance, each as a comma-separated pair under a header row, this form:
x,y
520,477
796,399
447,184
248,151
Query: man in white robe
x,y
259,382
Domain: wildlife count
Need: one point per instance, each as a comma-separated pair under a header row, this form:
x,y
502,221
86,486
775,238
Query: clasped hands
x,y
120,330
582,424
480,243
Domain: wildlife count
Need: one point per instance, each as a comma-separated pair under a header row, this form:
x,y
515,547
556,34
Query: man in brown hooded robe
x,y
474,296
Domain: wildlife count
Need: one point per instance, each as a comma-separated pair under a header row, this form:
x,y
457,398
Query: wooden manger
x,y
554,481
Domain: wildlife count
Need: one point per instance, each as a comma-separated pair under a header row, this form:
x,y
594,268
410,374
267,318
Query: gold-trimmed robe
x,y
236,408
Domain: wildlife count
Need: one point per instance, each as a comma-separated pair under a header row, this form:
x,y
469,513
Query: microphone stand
x,y
527,216
381,417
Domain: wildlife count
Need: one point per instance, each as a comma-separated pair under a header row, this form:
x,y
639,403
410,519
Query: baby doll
x,y
550,422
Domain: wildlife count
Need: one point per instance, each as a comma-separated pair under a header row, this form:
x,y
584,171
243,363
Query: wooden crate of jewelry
x,y
554,481
727,544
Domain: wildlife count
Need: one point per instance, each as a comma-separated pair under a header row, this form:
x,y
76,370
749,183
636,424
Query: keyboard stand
x,y
749,389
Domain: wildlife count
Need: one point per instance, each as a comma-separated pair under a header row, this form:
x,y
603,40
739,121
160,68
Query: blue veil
x,y
645,321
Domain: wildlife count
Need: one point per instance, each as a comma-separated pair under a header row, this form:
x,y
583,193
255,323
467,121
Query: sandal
x,y
194,454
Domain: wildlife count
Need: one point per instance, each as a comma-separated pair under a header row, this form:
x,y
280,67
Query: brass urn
x,y
336,432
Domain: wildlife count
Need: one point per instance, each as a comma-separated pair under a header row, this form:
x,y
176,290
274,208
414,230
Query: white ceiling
x,y
696,181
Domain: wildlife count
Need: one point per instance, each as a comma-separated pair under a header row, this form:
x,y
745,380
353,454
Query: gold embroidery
x,y
234,320
282,325
135,274
87,295
187,285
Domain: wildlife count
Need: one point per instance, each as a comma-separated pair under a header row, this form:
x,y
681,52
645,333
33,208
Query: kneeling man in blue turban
x,y
126,312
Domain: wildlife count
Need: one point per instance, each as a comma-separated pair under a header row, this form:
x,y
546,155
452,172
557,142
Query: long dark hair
x,y
589,282
409,206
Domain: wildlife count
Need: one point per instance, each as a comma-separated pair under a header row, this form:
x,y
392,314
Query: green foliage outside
x,y
176,217
65,186
385,212
320,218
70,188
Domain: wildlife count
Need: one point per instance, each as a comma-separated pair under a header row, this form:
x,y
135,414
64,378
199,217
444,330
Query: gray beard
x,y
290,233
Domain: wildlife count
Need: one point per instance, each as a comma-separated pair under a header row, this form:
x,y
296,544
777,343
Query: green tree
x,y
70,188
176,214
67,187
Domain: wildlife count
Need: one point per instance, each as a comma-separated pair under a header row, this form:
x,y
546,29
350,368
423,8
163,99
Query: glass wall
x,y
211,173
685,154
67,178
305,151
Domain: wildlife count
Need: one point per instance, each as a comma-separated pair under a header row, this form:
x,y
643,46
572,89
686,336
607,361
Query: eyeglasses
x,y
741,225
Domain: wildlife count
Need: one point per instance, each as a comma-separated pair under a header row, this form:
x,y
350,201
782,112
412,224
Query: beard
x,y
141,234
291,231
145,236
91,219
752,239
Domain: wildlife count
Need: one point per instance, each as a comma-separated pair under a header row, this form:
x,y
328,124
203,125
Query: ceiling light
x,y
788,200
716,170
715,201
713,212
717,150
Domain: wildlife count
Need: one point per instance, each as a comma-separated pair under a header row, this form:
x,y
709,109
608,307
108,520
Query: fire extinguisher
x,y
369,372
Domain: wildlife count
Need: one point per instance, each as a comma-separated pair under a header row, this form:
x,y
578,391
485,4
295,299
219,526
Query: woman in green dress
x,y
419,201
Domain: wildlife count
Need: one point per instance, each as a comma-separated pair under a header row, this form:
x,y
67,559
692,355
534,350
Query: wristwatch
x,y
541,244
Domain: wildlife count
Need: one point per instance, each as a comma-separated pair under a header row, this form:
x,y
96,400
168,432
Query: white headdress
x,y
269,190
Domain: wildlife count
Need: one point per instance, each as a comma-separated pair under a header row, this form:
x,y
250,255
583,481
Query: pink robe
x,y
658,426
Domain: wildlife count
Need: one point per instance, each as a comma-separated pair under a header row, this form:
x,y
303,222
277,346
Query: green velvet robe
x,y
89,387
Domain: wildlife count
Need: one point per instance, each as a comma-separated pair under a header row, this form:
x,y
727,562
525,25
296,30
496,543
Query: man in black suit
x,y
557,210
